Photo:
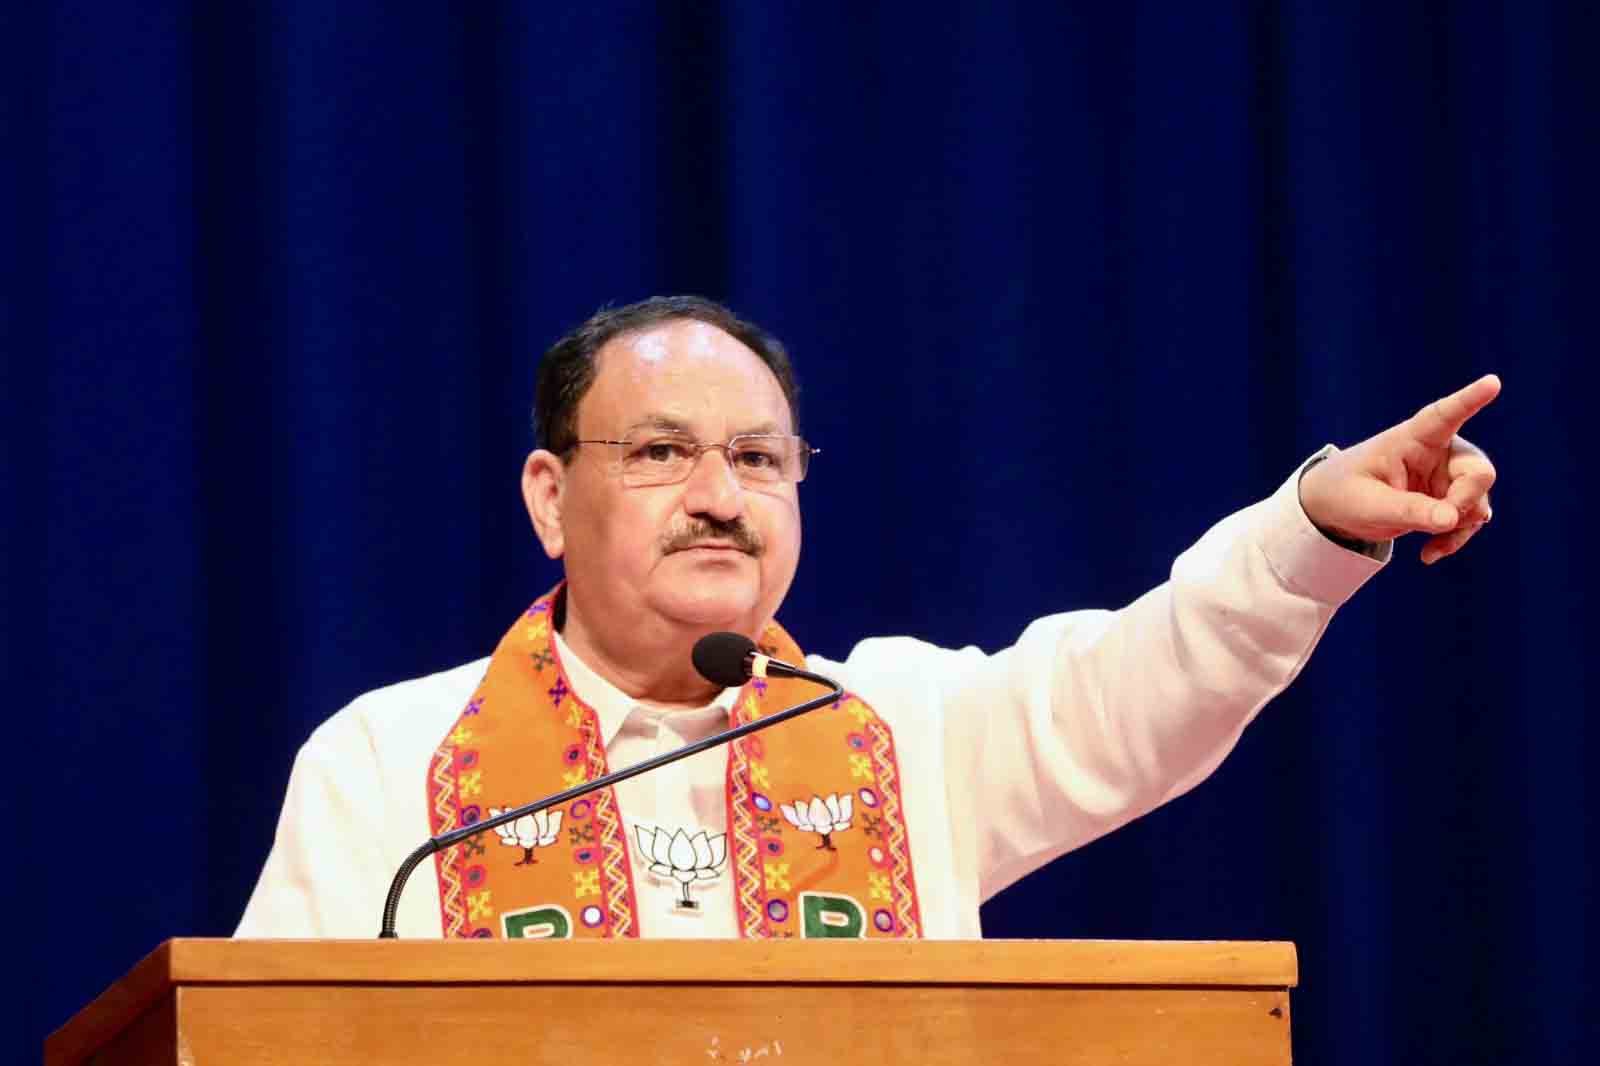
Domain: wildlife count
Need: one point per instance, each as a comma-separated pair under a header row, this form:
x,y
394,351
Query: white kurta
x,y
1089,720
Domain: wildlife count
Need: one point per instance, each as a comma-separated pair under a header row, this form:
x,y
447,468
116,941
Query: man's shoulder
x,y
425,691
912,656
898,668
423,705
900,664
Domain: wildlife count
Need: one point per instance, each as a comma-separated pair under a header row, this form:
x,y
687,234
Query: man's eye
x,y
755,459
660,451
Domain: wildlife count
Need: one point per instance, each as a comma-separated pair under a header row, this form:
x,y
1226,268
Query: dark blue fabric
x,y
1065,284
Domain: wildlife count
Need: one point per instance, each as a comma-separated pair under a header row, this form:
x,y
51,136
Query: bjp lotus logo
x,y
824,815
528,832
684,858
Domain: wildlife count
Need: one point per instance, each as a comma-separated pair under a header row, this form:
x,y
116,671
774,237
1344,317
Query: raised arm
x,y
1094,718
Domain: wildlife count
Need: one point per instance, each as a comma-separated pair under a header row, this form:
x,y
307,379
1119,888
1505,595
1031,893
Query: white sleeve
x,y
325,875
1095,717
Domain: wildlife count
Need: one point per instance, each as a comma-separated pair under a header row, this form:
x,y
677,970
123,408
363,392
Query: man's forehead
x,y
678,339
676,345
683,373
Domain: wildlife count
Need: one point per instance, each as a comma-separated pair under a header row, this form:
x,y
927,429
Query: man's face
x,y
707,552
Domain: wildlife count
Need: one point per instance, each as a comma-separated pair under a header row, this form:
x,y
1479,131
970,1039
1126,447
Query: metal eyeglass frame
x,y
805,452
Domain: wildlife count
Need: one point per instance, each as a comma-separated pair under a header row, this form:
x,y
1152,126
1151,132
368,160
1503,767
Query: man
x,y
666,483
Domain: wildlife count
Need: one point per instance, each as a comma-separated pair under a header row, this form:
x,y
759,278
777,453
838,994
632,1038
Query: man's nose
x,y
713,488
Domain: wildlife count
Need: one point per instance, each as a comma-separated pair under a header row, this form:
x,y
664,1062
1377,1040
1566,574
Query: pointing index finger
x,y
1442,419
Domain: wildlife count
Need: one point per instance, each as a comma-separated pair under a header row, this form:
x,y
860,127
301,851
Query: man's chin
x,y
711,603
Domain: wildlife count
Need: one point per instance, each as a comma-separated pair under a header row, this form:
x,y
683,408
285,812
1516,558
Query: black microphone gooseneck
x,y
725,659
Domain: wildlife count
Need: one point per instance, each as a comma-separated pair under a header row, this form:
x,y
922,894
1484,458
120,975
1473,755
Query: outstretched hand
x,y
1416,477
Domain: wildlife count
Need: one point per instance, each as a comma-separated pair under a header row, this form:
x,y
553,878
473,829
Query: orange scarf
x,y
816,837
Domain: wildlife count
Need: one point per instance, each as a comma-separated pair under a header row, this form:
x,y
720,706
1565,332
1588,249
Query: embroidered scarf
x,y
816,838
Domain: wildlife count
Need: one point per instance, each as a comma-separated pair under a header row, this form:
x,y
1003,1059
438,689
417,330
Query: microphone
x,y
725,659
731,659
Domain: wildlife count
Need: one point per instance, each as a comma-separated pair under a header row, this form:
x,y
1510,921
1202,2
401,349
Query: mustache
x,y
701,530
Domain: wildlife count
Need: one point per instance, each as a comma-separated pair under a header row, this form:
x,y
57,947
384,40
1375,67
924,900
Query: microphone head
x,y
723,658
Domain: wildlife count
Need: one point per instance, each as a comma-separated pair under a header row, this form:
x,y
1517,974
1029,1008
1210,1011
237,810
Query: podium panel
x,y
838,1002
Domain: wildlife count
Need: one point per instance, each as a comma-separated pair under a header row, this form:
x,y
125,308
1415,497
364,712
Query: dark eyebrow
x,y
658,422
666,424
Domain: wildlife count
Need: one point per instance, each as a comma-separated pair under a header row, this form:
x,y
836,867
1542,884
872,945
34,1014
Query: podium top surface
x,y
1096,962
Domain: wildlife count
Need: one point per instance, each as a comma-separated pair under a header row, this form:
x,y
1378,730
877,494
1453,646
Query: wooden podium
x,y
484,1003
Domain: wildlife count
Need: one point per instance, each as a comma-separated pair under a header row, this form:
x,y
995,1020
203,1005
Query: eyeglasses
x,y
757,459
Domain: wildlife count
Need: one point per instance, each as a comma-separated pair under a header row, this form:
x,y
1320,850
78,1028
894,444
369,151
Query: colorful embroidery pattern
x,y
905,888
814,872
442,807
742,834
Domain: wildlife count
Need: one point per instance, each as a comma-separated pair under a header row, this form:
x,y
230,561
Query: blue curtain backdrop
x,y
1065,284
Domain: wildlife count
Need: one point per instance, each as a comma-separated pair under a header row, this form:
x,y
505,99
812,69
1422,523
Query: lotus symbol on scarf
x,y
682,857
824,815
528,832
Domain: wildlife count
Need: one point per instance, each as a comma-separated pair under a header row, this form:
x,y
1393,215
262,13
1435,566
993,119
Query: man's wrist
x,y
1368,548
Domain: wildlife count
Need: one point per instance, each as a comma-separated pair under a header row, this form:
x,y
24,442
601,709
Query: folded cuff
x,y
1302,555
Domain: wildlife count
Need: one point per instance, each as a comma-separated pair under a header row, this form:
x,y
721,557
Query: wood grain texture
x,y
332,972
149,1039
1104,962
837,1025
115,1010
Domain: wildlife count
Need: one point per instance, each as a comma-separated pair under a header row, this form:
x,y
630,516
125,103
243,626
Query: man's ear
x,y
543,476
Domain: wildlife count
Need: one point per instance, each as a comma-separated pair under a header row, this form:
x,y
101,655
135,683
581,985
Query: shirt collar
x,y
613,706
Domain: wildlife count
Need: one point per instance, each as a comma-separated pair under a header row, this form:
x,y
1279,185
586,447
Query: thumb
x,y
1399,511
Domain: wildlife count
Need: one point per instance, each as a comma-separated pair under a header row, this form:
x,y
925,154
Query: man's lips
x,y
720,546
